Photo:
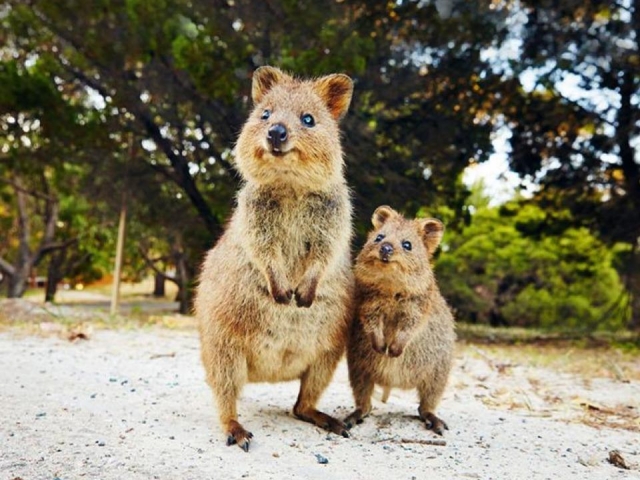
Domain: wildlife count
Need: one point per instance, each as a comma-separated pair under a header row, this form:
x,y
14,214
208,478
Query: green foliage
x,y
145,98
504,269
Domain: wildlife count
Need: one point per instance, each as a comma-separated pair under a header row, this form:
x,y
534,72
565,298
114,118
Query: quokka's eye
x,y
266,114
308,120
406,245
379,238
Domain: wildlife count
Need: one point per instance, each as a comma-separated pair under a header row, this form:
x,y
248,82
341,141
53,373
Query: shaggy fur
x,y
275,294
403,334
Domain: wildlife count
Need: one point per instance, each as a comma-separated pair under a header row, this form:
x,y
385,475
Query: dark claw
x,y
345,434
230,440
434,424
283,298
245,446
302,301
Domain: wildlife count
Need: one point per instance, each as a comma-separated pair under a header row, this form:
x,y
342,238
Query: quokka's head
x,y
292,135
398,249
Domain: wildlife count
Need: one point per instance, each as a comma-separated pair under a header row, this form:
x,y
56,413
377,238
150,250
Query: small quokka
x,y
403,333
275,295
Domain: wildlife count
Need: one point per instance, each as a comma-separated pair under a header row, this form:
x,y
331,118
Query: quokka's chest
x,y
287,216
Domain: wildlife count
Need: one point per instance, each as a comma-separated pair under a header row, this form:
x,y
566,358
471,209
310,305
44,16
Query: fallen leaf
x,y
616,460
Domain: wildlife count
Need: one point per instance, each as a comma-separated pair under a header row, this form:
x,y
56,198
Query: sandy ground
x,y
133,404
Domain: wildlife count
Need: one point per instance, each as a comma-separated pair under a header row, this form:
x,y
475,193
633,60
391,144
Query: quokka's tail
x,y
385,394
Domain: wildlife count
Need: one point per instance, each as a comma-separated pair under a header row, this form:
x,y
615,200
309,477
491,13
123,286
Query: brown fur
x,y
403,334
275,293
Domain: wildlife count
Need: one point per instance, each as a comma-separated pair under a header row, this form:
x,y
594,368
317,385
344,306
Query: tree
x,y
514,266
31,109
576,130
179,73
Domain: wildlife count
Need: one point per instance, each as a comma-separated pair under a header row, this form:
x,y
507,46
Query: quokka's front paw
x,y
306,292
281,293
377,342
396,348
282,296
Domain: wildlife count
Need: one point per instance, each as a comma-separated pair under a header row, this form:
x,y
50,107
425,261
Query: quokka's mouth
x,y
278,152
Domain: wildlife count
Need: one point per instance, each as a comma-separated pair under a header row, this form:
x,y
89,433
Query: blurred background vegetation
x,y
136,104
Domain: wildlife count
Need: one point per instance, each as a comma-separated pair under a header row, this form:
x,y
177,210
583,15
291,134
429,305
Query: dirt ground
x,y
131,403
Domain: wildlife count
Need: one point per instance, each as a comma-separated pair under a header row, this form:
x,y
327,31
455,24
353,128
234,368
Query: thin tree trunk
x,y
117,269
54,275
159,285
182,276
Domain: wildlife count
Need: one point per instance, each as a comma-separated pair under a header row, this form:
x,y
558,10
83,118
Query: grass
x,y
614,355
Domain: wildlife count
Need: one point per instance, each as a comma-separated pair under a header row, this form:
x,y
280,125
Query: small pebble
x,y
321,459
41,414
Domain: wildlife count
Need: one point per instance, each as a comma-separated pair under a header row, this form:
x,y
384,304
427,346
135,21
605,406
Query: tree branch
x,y
6,267
151,263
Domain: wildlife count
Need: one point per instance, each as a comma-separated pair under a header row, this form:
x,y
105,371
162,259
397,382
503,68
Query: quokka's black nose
x,y
386,250
276,136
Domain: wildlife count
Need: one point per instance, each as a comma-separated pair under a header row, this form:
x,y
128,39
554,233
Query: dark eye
x,y
379,238
266,114
406,245
308,120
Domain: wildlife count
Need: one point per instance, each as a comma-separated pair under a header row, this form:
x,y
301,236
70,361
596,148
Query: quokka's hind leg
x,y
430,394
226,375
362,386
313,383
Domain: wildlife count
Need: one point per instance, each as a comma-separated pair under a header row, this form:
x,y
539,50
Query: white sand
x,y
111,408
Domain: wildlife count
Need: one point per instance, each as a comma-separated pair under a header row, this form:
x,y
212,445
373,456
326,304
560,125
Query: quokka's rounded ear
x,y
264,79
335,90
381,215
432,231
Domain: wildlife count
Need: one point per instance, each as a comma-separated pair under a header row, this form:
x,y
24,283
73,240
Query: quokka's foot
x,y
355,418
325,421
238,435
434,423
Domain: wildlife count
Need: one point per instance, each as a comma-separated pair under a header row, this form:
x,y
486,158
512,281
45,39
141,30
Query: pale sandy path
x,y
111,408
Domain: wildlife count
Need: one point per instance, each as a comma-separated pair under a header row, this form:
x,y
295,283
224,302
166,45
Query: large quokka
x,y
403,334
275,295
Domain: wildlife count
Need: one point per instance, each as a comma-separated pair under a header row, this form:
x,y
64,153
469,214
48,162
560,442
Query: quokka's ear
x,y
432,231
264,79
381,215
335,90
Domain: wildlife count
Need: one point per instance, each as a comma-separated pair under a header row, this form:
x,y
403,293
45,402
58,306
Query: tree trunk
x,y
54,275
17,283
115,288
158,285
182,275
27,259
632,283
183,284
